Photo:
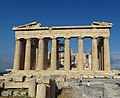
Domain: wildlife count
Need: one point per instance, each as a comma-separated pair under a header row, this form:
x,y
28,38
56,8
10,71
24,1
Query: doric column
x,y
36,57
28,54
16,65
40,64
67,54
106,54
94,55
80,54
54,54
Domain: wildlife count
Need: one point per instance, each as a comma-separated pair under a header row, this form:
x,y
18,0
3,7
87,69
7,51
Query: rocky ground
x,y
64,86
99,88
15,92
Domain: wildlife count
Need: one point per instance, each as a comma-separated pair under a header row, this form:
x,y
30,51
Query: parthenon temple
x,y
32,46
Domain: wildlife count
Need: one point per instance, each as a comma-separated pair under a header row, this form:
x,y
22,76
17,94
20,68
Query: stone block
x,y
116,77
59,79
45,80
2,77
18,78
8,78
102,76
25,84
85,76
99,76
32,88
13,85
41,91
91,76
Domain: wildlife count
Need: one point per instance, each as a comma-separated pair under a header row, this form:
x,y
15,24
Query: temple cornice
x,y
37,26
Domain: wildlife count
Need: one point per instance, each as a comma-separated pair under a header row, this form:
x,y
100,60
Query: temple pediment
x,y
33,25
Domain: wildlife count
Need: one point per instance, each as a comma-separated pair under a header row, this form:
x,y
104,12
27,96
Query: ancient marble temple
x,y
31,50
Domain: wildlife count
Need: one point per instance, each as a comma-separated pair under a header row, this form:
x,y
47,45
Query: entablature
x,y
35,30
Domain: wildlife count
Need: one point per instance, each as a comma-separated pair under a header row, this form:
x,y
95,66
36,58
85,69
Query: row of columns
x,y
41,56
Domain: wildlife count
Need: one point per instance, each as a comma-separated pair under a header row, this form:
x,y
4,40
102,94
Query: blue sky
x,y
56,12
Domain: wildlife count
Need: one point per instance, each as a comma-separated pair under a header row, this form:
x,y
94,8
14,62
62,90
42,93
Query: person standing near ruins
x,y
88,84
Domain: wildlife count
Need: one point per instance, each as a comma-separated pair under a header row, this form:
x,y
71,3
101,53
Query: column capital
x,y
41,38
106,37
17,39
67,37
28,38
53,38
80,37
50,29
94,37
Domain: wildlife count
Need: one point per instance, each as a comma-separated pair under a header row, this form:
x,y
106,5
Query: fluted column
x,y
80,54
106,54
28,54
16,65
67,54
36,58
54,54
94,55
40,64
